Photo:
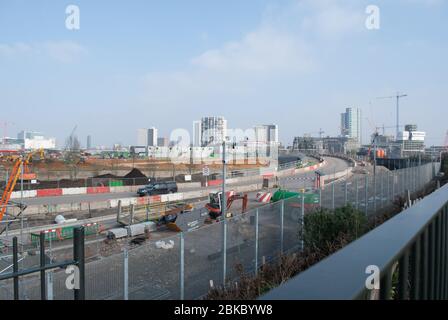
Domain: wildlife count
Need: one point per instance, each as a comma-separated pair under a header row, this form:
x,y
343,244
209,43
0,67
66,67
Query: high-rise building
x,y
89,142
266,133
147,137
197,134
213,130
152,137
142,137
351,124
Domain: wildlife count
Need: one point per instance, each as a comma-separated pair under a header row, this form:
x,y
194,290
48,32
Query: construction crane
x,y
398,96
20,164
384,128
5,124
320,133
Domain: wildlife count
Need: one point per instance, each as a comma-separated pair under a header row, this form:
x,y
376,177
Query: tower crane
x,y
398,96
320,133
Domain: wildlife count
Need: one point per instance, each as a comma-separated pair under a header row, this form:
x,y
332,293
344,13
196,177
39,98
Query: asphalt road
x,y
293,182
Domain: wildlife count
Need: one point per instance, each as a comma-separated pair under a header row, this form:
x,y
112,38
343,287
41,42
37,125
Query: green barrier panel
x,y
64,233
115,183
310,198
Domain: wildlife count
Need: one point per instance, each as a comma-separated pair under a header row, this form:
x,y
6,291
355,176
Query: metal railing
x,y
412,245
78,261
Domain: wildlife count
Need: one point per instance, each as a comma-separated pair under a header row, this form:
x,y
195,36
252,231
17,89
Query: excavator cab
x,y
214,206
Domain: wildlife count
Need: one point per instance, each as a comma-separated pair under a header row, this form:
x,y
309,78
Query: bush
x,y
323,227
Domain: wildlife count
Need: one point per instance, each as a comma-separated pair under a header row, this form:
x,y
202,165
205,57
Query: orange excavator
x,y
214,206
20,164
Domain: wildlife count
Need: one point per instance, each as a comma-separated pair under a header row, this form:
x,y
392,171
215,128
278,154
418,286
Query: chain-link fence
x,y
370,193
188,264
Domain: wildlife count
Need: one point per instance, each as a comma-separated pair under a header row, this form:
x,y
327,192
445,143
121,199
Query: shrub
x,y
323,227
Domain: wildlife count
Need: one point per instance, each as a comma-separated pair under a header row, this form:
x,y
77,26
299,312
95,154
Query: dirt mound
x,y
135,173
107,176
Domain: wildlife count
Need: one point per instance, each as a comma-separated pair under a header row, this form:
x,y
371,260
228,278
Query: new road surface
x,y
295,181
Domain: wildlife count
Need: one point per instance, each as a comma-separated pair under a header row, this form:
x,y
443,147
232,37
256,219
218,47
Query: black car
x,y
158,188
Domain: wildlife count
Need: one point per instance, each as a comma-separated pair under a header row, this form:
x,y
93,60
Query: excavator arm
x,y
10,187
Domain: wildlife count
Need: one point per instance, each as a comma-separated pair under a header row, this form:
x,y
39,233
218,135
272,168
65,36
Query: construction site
x,y
110,223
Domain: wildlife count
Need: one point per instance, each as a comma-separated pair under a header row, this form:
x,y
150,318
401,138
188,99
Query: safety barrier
x,y
93,190
49,192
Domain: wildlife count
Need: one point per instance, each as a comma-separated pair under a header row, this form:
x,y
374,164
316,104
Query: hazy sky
x,y
298,64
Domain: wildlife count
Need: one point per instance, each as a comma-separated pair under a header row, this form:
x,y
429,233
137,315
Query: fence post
x,y
224,251
374,192
256,241
78,256
282,216
182,267
346,191
320,197
131,220
50,281
303,221
126,274
393,187
366,200
15,267
332,192
119,211
43,283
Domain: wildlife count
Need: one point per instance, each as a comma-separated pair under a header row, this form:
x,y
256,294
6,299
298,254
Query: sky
x,y
296,63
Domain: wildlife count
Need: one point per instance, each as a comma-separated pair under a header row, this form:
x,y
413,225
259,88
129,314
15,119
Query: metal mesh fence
x,y
269,232
204,262
188,264
241,245
153,270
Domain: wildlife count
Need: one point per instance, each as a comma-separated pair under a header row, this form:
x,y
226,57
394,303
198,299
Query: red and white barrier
x,y
97,190
264,197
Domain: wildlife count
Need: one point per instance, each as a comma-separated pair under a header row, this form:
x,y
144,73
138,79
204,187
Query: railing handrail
x,y
343,274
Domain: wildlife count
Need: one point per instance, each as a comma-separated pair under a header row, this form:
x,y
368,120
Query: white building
x,y
351,124
36,140
213,130
266,133
197,134
147,137
412,141
142,137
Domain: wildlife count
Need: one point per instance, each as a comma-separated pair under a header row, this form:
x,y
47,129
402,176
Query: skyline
x,y
162,65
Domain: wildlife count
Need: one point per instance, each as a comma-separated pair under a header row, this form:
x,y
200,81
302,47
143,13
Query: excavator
x,y
20,164
214,206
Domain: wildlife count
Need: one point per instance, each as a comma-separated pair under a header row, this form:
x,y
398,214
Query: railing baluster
x,y
445,255
438,256
424,265
403,276
415,277
386,285
432,259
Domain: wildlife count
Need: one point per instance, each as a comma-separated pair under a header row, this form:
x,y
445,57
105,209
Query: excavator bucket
x,y
173,227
